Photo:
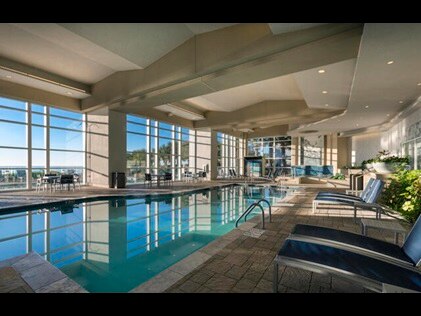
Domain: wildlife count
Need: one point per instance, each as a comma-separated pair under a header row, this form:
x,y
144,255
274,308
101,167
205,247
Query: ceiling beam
x,y
226,58
15,90
42,75
265,114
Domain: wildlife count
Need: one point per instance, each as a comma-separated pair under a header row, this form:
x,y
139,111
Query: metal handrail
x,y
251,208
270,209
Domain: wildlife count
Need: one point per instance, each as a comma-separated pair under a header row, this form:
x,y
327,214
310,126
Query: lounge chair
x,y
370,272
405,256
367,190
368,202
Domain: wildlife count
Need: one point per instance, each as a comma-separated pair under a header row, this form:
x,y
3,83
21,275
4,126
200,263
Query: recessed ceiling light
x,y
419,84
387,114
366,106
321,71
69,93
357,124
324,91
9,77
400,102
326,104
390,62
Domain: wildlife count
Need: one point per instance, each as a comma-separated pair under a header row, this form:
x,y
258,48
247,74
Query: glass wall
x,y
36,139
276,152
230,154
412,149
311,150
158,147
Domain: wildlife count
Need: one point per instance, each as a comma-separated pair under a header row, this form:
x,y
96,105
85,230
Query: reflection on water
x,y
114,245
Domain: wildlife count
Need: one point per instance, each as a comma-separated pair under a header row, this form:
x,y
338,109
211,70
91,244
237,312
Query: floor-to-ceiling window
x,y
158,147
276,152
311,150
412,149
230,154
36,139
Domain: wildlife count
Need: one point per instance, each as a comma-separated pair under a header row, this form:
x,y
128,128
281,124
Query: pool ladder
x,y
252,207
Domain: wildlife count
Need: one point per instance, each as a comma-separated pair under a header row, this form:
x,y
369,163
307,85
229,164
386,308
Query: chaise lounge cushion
x,y
360,241
349,262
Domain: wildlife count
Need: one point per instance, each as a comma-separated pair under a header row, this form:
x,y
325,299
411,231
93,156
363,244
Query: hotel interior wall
x,y
367,146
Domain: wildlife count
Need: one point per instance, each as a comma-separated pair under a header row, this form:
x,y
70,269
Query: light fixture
x,y
387,114
366,106
69,93
390,62
321,71
324,91
357,124
170,114
419,84
326,104
8,76
400,102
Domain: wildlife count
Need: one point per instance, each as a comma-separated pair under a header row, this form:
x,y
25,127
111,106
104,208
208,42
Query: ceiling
x,y
222,73
379,90
280,28
89,52
279,88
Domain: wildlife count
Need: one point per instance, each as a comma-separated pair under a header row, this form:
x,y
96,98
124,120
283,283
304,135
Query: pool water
x,y
115,244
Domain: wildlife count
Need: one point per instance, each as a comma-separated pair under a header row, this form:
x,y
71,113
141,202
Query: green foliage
x,y
403,194
338,176
384,156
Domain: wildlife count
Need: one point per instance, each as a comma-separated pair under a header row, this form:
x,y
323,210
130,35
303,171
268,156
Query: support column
x,y
106,146
214,156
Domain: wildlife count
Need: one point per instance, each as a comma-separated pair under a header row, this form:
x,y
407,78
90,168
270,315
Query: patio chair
x,y
66,179
76,180
148,178
408,255
368,202
369,272
168,177
188,176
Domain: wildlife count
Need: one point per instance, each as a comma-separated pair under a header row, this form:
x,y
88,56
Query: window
x,y
229,154
276,152
23,145
311,150
159,147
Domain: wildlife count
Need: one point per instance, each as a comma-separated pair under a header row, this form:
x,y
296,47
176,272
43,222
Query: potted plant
x,y
384,163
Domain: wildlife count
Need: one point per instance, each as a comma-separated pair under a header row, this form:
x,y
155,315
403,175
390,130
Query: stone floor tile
x,y
189,286
236,272
220,282
200,276
42,275
297,279
65,285
219,266
236,259
31,260
244,286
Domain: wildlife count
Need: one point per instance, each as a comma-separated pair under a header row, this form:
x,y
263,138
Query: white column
x,y
29,146
47,138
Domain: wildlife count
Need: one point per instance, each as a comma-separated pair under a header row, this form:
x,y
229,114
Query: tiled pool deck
x,y
240,261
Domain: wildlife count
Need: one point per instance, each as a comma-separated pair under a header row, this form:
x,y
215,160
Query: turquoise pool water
x,y
115,244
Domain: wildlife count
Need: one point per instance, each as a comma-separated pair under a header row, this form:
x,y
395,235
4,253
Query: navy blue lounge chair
x,y
407,256
370,272
366,202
